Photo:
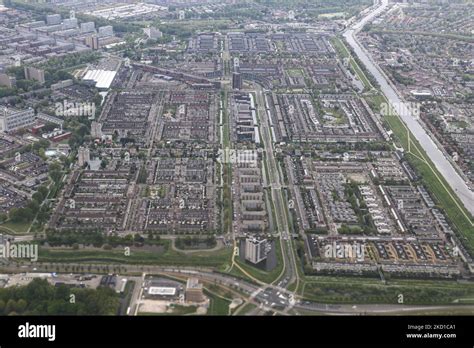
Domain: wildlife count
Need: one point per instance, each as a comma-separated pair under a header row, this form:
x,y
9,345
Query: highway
x,y
444,166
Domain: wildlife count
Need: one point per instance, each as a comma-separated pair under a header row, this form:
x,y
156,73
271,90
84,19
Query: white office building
x,y
70,23
107,30
153,33
53,19
14,119
88,27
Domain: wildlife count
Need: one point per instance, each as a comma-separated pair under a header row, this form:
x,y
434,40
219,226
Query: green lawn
x,y
352,290
340,48
247,309
168,257
183,310
15,227
295,72
225,121
226,168
218,305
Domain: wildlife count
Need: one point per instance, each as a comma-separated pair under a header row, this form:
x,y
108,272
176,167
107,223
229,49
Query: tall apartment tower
x,y
255,250
84,156
32,73
236,80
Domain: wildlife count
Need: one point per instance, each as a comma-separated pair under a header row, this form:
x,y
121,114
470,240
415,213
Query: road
x,y
137,294
290,272
270,298
444,166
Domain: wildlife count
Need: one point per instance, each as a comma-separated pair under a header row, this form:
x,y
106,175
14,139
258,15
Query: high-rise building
x,y
14,119
96,129
34,74
87,27
93,42
62,84
236,64
7,81
70,23
236,80
84,156
107,30
53,19
255,250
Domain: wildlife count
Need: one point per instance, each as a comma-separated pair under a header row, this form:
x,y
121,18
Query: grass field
x,y
168,257
15,227
357,290
247,309
226,168
218,305
295,72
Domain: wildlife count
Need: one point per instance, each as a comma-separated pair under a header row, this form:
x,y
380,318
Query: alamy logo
x,y
232,156
19,251
75,109
37,331
402,109
345,251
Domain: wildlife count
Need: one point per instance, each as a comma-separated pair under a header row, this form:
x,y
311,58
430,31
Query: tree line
x,y
41,298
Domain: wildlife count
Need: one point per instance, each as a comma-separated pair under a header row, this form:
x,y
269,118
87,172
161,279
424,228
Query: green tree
x,y
33,205
21,305
38,197
10,307
43,190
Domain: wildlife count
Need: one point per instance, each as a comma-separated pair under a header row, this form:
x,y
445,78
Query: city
x,y
237,158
